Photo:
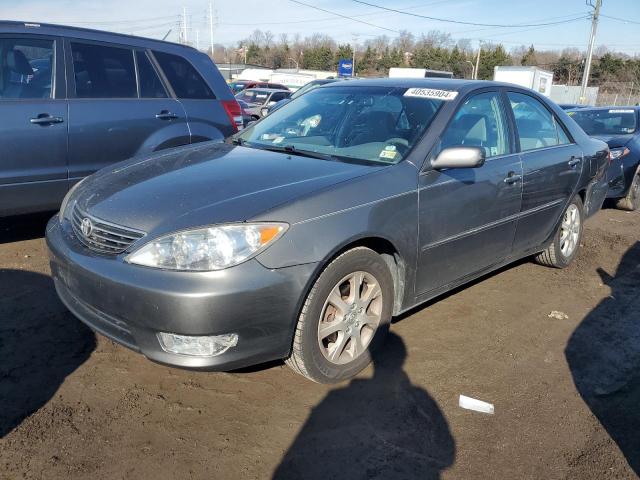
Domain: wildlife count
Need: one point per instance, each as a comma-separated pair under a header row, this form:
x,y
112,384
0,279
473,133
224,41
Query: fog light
x,y
204,346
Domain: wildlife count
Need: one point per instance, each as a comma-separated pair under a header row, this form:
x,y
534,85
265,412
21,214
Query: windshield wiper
x,y
292,150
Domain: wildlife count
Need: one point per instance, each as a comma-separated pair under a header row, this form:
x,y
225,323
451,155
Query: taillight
x,y
234,112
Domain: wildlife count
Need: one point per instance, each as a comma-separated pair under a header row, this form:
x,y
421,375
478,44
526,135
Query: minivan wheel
x,y
344,319
632,201
566,242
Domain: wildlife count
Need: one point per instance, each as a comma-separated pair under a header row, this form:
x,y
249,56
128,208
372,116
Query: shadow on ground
x,y
604,356
383,427
23,227
41,343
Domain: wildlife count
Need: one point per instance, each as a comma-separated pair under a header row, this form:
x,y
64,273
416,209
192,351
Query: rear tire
x,y
345,318
566,242
632,201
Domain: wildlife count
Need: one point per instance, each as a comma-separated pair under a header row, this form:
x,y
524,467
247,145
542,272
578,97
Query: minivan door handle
x,y
46,119
512,178
574,161
166,115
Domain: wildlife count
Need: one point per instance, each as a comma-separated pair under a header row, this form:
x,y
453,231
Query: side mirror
x,y
459,157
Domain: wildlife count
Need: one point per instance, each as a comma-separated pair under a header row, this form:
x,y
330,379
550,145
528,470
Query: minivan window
x,y
101,71
150,84
26,68
480,122
537,127
183,77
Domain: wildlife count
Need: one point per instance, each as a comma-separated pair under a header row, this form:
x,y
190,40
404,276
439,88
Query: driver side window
x,y
479,122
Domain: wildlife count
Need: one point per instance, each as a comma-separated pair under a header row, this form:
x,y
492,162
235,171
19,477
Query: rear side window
x,y
537,126
183,77
480,122
150,84
26,68
103,72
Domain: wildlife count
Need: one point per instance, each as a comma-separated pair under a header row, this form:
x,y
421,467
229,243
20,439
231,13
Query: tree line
x,y
434,50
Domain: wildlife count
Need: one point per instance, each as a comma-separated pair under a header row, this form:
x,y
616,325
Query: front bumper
x,y
131,304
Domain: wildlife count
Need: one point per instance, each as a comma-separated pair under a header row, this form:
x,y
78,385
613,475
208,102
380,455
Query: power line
x,y
624,20
459,22
344,16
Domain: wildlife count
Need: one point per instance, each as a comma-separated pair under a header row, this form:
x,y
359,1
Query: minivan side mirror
x,y
459,157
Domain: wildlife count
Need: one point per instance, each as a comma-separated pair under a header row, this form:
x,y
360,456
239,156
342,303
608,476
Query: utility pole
x,y
184,25
211,25
475,73
197,39
592,40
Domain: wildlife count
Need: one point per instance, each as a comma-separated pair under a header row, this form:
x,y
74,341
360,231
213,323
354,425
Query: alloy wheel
x,y
570,231
350,317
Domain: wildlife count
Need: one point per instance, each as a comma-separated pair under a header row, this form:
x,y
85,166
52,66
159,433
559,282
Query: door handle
x,y
166,115
574,161
46,119
512,178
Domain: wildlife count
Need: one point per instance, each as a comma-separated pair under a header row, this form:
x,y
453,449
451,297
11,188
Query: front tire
x,y
566,242
632,201
344,319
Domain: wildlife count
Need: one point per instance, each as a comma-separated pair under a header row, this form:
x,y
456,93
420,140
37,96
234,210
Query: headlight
x,y
65,201
618,153
211,248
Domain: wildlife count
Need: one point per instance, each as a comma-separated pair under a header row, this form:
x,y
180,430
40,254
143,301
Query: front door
x,y
119,109
552,165
33,124
467,217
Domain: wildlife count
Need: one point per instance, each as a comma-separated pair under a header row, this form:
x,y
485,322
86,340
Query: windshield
x,y
253,96
616,121
378,124
307,87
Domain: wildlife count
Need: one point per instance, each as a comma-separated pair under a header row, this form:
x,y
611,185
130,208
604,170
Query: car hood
x,y
615,141
205,184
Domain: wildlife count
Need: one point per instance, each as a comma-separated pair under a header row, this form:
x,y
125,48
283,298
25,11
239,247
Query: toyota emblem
x,y
86,226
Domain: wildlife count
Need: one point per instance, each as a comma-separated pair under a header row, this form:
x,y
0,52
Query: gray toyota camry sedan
x,y
301,237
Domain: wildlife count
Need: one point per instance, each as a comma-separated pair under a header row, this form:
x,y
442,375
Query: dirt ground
x,y
566,390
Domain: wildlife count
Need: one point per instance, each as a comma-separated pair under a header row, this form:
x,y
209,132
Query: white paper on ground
x,y
476,405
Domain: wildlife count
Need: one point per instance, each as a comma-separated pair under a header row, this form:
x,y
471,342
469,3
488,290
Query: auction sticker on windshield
x,y
446,95
621,111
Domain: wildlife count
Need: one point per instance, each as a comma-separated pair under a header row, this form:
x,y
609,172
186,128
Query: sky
x,y
235,20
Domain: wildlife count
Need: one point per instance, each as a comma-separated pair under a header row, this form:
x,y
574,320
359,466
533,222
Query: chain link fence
x,y
618,93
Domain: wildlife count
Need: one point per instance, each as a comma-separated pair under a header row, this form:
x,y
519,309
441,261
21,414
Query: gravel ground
x,y
566,388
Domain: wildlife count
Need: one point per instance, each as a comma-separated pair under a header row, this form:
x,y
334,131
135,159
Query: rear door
x,y
467,216
207,117
552,164
118,107
33,124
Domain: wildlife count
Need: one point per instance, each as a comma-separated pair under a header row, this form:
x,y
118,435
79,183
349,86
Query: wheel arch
x,y
389,253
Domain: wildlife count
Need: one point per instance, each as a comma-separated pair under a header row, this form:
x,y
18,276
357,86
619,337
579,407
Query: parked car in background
x,y
301,91
571,106
74,101
246,116
240,85
258,98
620,128
308,231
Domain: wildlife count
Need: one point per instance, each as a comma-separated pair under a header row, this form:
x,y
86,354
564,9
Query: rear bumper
x,y
131,304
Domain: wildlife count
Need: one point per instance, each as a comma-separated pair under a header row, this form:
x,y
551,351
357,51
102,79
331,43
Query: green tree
x,y
529,58
490,57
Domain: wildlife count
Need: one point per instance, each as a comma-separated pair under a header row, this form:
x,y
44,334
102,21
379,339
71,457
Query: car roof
x,y
459,85
264,89
86,33
614,107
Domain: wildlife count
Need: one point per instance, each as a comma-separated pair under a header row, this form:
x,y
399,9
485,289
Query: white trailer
x,y
531,77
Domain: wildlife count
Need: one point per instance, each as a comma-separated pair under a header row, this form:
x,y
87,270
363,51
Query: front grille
x,y
103,237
